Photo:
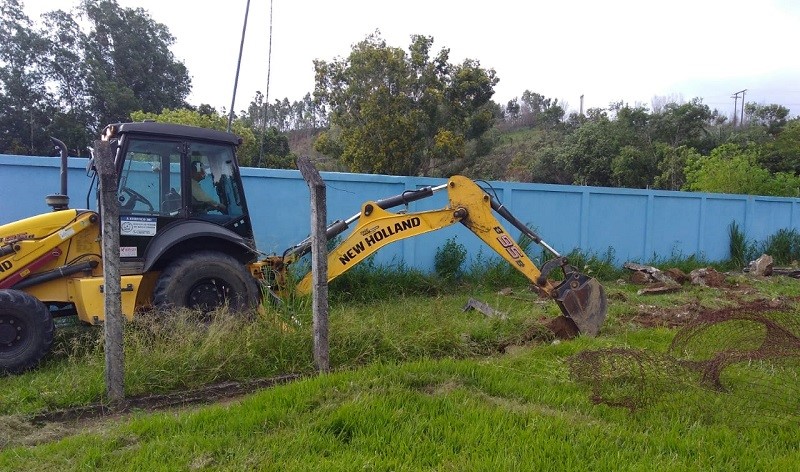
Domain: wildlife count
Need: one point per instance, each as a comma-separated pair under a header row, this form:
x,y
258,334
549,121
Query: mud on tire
x,y
26,331
205,280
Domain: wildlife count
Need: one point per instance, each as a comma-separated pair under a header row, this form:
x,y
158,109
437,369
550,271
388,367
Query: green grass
x,y
176,352
515,412
418,384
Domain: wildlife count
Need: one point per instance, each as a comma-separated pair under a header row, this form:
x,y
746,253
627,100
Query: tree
x,y
258,149
671,165
537,110
130,64
684,124
398,113
772,117
65,68
80,71
633,167
25,102
306,114
590,149
782,154
512,110
730,169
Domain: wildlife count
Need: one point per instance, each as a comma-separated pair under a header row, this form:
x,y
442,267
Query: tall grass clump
x,y
600,266
741,251
677,260
164,351
172,350
369,281
783,246
449,259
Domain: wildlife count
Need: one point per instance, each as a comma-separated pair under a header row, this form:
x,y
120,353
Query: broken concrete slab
x,y
484,308
658,288
761,266
649,274
707,276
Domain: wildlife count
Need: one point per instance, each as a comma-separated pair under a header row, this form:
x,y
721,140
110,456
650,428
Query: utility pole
x,y
735,96
238,66
741,121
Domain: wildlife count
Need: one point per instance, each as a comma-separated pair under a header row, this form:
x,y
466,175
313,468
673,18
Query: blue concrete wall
x,y
636,224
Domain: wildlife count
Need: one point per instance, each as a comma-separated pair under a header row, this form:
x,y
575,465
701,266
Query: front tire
x,y
205,280
26,331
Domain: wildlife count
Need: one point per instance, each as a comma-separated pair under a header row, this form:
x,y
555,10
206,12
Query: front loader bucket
x,y
582,299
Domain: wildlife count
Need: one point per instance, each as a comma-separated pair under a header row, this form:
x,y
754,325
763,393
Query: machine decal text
x,y
376,235
137,226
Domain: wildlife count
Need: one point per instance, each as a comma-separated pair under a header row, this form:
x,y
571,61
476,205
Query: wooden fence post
x,y
109,215
319,261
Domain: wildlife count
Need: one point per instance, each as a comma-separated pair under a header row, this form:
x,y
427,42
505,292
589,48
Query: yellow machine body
x,y
50,242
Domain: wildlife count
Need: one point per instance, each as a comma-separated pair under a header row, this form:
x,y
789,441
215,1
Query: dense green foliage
x,y
74,72
398,113
259,148
380,109
675,146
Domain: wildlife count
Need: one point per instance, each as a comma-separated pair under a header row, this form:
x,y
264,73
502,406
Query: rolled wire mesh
x,y
748,361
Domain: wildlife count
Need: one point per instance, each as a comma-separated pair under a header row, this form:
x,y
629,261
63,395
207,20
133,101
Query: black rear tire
x,y
26,331
205,280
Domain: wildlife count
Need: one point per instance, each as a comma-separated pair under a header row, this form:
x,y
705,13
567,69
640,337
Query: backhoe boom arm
x,y
580,298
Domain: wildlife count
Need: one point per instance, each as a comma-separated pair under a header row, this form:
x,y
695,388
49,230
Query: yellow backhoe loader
x,y
186,240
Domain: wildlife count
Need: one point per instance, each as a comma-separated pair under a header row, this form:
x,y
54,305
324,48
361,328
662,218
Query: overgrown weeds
x,y
783,246
177,350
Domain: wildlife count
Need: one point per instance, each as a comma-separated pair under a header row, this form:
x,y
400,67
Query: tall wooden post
x,y
319,261
109,215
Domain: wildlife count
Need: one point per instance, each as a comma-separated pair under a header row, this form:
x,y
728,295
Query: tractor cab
x,y
179,181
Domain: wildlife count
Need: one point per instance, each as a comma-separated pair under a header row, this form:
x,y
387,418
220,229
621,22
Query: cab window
x,y
150,180
212,181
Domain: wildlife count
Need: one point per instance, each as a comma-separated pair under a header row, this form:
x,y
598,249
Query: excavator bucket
x,y
582,299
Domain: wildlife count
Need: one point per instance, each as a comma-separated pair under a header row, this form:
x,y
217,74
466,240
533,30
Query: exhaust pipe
x,y
60,201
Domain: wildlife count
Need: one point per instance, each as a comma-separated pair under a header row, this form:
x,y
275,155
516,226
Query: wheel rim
x,y
207,294
12,332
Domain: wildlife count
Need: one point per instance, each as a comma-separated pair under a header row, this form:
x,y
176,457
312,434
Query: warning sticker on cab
x,y
125,251
137,226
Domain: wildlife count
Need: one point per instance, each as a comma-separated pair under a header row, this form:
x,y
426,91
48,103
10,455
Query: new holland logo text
x,y
377,235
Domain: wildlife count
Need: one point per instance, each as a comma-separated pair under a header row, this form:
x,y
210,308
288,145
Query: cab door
x,y
149,193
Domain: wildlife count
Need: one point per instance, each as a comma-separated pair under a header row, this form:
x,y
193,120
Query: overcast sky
x,y
629,50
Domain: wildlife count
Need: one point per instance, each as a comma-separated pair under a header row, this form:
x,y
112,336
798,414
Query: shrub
x,y
448,260
783,246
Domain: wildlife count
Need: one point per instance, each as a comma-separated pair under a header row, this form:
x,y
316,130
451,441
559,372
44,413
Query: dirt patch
x,y
563,327
18,430
207,394
650,316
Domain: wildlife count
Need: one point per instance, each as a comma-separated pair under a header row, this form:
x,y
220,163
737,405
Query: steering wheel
x,y
134,197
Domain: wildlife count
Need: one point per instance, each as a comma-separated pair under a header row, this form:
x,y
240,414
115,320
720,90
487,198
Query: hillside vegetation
x,y
383,109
